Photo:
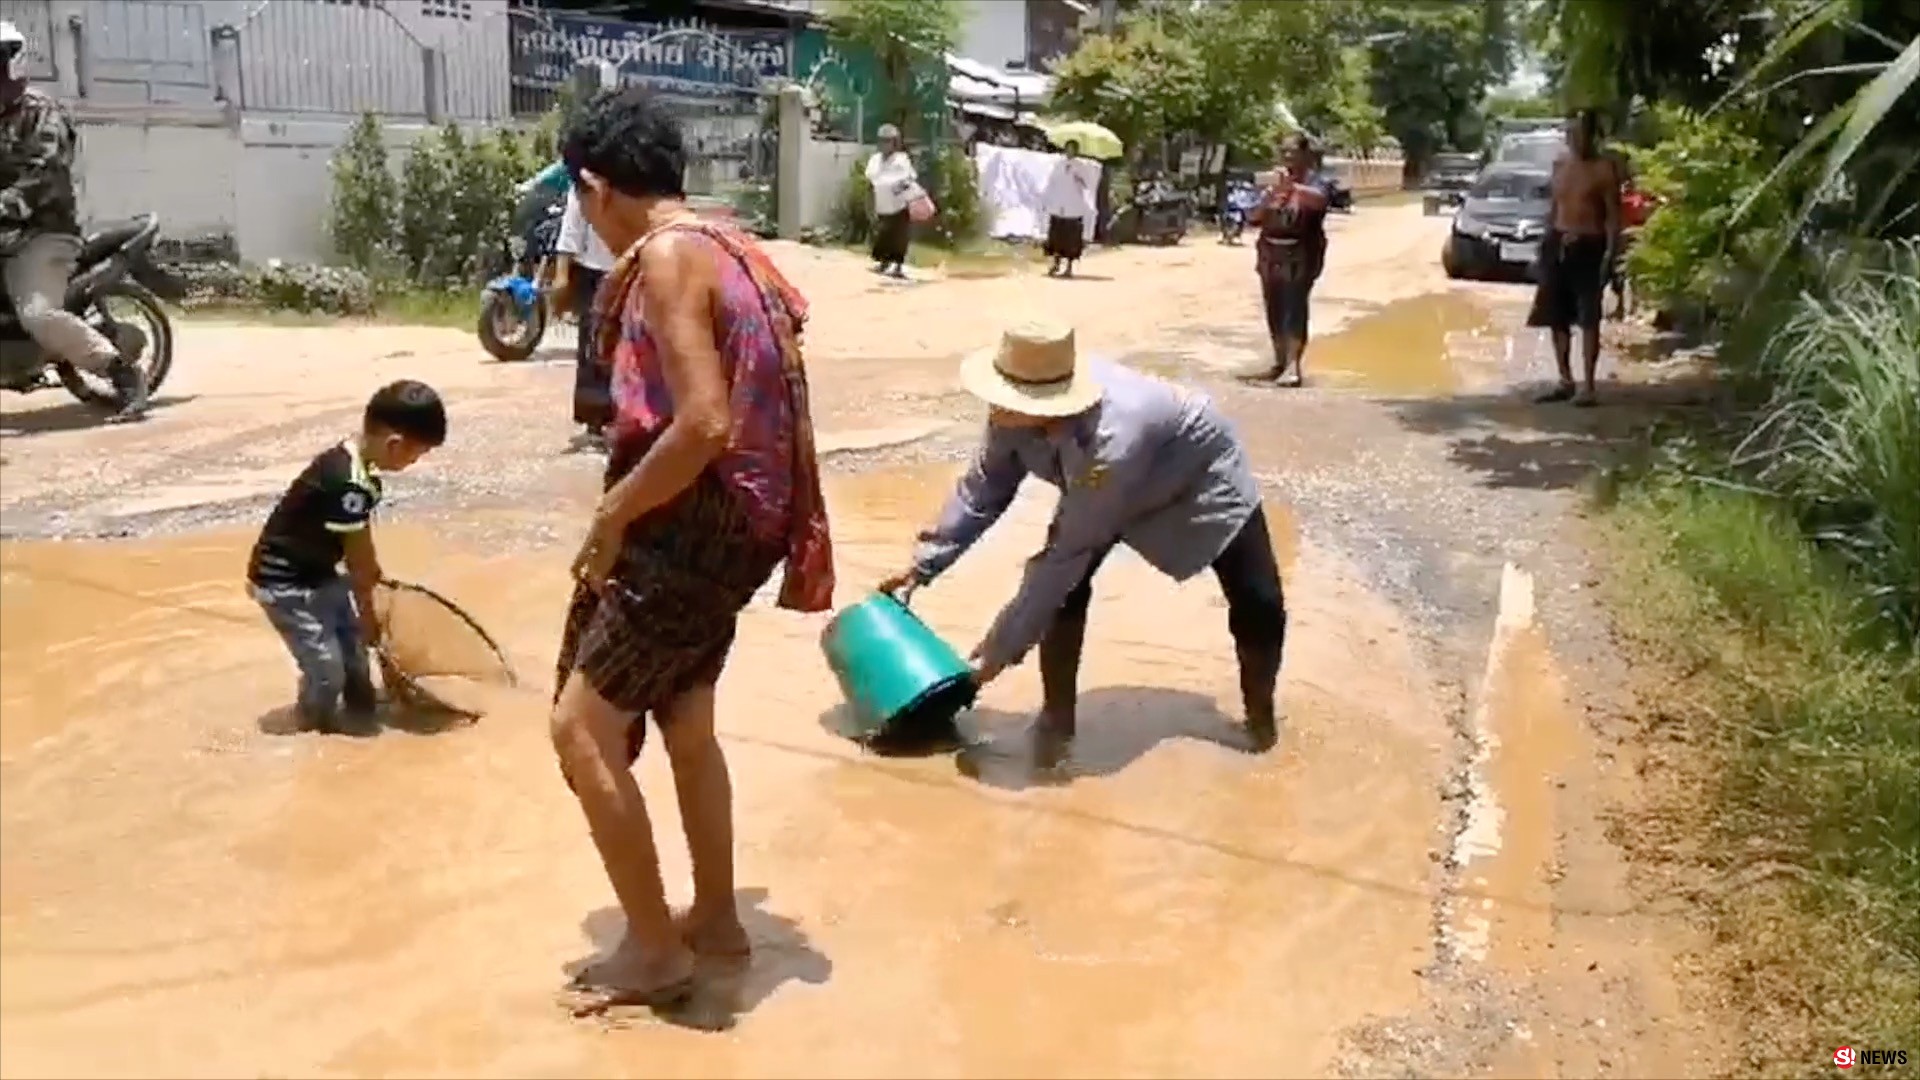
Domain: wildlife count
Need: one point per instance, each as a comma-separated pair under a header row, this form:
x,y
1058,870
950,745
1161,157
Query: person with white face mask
x,y
40,227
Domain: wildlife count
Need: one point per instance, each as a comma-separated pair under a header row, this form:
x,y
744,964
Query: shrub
x,y
448,215
325,290
852,218
365,196
1703,168
950,179
428,195
1840,438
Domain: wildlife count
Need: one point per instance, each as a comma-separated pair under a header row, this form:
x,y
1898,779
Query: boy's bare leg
x,y
590,736
700,778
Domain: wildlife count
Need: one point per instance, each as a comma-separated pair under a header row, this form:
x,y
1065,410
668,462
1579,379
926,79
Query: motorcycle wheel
x,y
498,333
158,359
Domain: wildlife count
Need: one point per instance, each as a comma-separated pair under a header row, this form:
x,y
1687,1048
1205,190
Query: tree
x,y
1140,82
1214,72
901,35
1841,76
1342,108
1254,54
1433,62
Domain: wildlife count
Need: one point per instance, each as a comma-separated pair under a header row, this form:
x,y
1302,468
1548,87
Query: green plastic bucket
x,y
893,668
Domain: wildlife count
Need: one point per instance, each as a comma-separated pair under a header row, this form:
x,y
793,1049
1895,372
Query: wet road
x,y
1415,881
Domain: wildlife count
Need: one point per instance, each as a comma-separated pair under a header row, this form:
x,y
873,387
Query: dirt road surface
x,y
1418,881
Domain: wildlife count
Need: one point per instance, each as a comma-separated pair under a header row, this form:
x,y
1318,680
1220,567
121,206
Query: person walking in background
x,y
712,483
1577,256
1290,253
584,261
895,183
1068,199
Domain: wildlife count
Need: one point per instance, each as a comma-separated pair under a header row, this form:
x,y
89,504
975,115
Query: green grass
x,y
457,309
1796,778
1768,575
1840,437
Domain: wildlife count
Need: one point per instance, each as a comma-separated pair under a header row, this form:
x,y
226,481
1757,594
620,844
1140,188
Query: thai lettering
x,y
679,55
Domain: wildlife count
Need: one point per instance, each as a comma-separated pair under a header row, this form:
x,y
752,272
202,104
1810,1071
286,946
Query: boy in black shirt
x,y
324,518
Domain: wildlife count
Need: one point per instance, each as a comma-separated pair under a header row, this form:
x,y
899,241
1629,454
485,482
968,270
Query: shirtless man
x,y
1579,252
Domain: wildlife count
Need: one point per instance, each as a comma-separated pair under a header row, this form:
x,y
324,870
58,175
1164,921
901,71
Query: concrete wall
x,y
284,183
824,168
1370,176
261,184
181,164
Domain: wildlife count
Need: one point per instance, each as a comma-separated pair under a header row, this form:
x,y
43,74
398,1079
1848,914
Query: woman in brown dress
x,y
711,484
1290,253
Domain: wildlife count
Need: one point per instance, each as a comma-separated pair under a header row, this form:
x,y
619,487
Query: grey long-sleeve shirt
x,y
1154,466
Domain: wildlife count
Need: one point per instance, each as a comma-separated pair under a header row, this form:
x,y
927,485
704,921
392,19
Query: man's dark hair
x,y
1587,121
630,140
410,409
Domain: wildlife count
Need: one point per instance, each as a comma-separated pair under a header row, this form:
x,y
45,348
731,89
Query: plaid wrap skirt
x,y
666,624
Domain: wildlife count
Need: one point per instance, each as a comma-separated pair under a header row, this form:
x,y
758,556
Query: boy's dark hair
x,y
630,140
411,409
1588,121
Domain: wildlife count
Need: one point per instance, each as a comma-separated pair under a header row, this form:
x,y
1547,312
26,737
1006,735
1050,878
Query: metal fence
x,y
424,58
428,59
34,18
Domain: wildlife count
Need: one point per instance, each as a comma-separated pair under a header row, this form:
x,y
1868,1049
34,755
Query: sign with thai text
x,y
680,56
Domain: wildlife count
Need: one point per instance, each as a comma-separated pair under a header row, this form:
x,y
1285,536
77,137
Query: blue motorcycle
x,y
514,306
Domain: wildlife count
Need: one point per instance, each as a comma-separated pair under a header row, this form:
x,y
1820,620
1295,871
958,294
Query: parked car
x,y
1446,182
1501,222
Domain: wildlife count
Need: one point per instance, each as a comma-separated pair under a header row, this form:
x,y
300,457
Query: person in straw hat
x,y
1138,461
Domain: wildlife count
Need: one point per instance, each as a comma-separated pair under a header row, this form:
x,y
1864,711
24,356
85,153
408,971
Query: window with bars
x,y
447,9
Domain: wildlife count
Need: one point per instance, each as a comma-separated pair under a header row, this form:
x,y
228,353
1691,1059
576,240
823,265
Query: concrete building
x,y
1011,35
222,116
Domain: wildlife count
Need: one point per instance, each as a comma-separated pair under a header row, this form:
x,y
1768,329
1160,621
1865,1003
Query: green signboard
x,y
848,83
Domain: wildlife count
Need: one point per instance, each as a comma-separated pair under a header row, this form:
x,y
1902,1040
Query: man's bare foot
x,y
1291,379
1586,398
720,937
1562,392
640,977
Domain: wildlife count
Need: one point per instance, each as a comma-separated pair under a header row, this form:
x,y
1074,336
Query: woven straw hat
x,y
1034,370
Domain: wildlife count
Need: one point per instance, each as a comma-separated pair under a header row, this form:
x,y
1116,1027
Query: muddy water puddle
x,y
1412,347
404,905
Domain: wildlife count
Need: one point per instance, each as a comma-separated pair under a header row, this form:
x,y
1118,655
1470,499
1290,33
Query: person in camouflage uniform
x,y
40,227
